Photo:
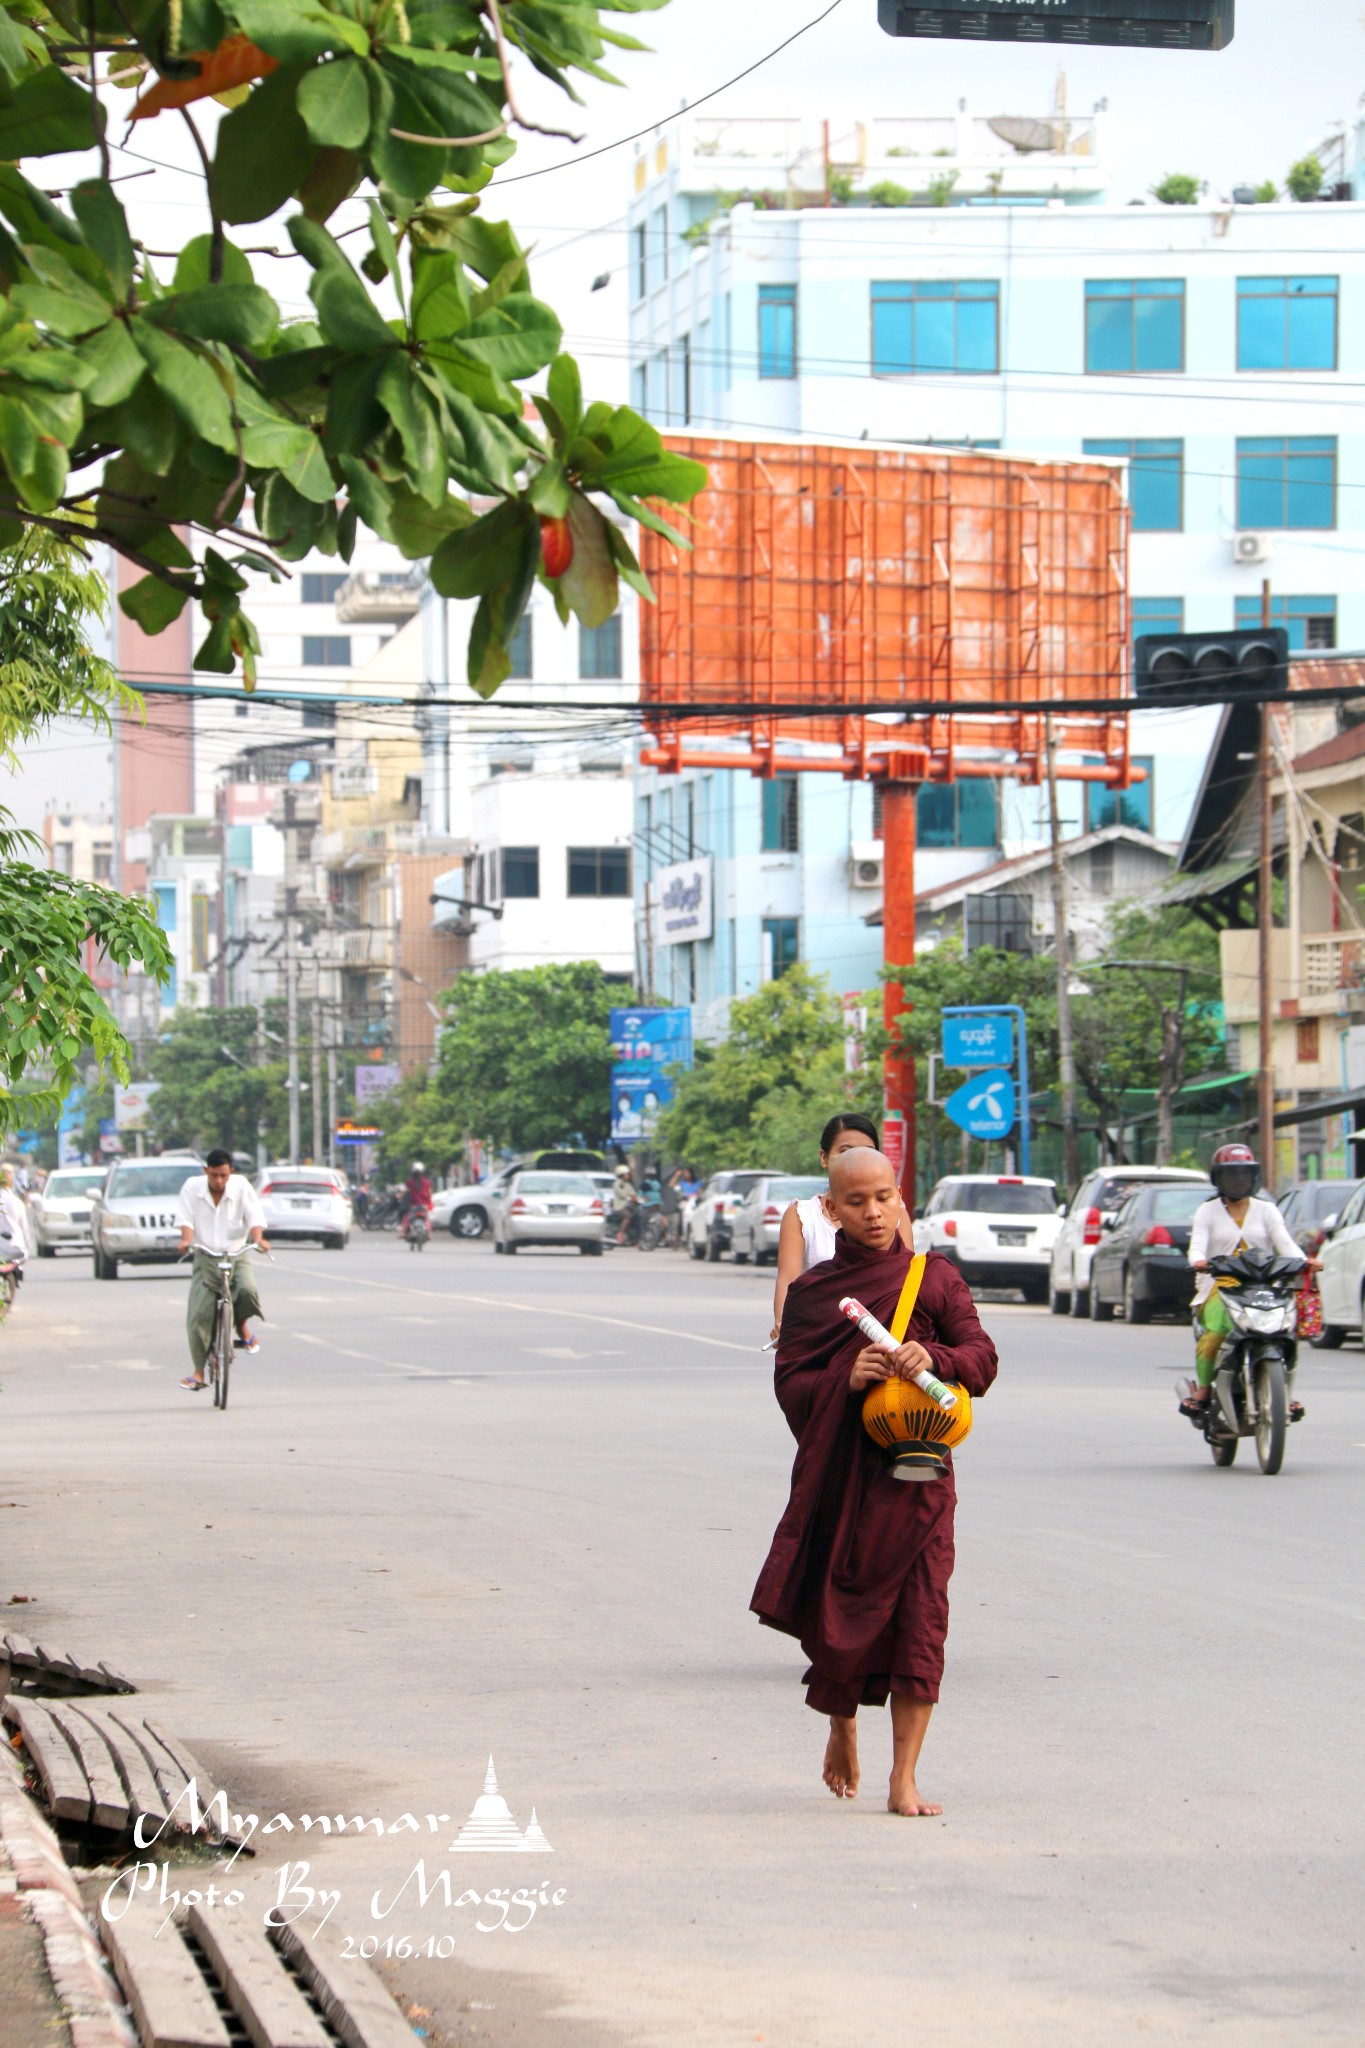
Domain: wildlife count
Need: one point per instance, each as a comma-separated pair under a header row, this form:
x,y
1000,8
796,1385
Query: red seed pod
x,y
556,546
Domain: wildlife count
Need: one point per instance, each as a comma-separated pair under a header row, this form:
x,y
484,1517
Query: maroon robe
x,y
860,1563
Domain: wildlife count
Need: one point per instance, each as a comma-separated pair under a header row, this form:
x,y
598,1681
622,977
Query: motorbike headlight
x,y
1269,1322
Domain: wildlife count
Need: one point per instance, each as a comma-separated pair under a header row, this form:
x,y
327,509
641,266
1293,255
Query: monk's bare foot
x,y
841,1757
905,1798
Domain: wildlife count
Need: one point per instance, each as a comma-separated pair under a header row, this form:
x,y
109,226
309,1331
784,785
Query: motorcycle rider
x,y
416,1193
1235,1220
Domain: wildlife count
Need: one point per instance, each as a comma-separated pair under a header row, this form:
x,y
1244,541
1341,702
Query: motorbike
x,y
1254,1370
640,1222
417,1230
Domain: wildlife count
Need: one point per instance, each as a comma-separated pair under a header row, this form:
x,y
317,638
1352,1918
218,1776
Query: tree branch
x,y
215,218
494,13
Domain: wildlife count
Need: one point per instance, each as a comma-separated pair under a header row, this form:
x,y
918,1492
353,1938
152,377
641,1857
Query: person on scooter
x,y
416,1193
1235,1220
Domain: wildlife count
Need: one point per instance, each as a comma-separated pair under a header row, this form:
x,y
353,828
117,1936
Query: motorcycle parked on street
x,y
1252,1393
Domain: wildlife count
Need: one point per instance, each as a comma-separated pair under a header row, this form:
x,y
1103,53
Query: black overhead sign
x,y
1138,24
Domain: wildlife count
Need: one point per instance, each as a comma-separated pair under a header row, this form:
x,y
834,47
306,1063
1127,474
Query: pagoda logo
x,y
491,1829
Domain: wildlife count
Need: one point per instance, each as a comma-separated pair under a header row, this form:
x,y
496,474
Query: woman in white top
x,y
1234,1220
807,1235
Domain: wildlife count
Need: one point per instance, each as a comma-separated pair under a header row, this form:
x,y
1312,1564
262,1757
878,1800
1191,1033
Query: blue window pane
x,y
1108,335
976,332
1159,338
936,814
1158,615
892,348
1135,324
934,336
1260,488
941,327
976,818
1154,481
777,330
1260,334
519,649
1287,323
1311,622
1313,332
1309,499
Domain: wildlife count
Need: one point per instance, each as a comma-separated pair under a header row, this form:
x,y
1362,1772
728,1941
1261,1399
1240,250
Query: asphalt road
x,y
463,1506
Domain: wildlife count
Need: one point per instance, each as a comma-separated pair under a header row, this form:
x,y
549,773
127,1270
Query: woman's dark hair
x,y
849,1121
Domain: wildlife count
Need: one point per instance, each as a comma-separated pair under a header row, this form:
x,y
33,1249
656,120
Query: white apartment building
x,y
540,792
983,283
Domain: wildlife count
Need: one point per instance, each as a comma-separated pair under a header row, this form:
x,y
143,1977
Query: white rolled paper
x,y
878,1334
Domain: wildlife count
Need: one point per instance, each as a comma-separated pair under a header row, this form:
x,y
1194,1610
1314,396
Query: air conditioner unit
x,y
1248,548
866,865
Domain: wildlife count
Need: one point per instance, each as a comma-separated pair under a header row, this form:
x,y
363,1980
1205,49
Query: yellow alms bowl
x,y
912,1429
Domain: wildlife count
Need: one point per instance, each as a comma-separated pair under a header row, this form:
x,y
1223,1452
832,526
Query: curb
x,y
95,2013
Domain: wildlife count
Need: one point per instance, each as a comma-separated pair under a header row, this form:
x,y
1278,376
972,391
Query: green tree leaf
x,y
189,383
334,102
264,150
47,115
242,315
105,226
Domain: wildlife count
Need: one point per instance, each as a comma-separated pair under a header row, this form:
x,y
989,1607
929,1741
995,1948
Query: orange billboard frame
x,y
901,612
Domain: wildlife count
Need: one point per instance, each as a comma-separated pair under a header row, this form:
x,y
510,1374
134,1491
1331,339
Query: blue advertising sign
x,y
985,1106
645,1046
978,1039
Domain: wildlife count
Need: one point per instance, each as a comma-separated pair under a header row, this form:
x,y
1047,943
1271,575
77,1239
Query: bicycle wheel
x,y
221,1356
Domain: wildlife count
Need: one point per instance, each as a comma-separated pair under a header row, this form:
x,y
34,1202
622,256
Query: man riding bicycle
x,y
220,1212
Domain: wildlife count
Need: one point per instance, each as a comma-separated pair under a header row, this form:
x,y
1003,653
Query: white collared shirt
x,y
221,1226
1214,1234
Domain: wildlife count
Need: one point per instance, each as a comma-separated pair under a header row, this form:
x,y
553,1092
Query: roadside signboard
x,y
980,1039
985,1106
132,1103
351,1133
646,1045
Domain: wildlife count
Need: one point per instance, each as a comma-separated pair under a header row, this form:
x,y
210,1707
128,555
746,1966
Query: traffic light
x,y
1136,24
1211,668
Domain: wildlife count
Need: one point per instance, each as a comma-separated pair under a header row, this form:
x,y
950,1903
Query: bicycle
x,y
218,1364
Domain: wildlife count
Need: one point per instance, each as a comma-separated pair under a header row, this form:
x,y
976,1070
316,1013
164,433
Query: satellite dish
x,y
300,771
1026,136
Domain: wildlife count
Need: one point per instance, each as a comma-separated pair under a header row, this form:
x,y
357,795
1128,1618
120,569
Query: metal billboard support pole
x,y
899,822
1265,920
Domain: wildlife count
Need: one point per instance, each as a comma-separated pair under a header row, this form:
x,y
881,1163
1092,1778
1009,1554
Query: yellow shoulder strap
x,y
905,1307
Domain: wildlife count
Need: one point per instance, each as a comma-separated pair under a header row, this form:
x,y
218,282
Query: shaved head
x,y
864,1198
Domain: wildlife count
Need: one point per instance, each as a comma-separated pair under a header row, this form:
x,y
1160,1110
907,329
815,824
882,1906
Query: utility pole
x,y
1066,1058
317,1080
261,1056
331,1095
1266,928
221,975
291,971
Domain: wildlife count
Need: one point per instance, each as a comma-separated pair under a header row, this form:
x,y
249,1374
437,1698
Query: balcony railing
x,y
367,598
1333,961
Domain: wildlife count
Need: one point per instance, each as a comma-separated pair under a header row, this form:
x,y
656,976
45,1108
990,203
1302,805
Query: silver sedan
x,y
550,1208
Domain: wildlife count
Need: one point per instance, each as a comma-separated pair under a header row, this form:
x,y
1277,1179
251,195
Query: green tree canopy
x,y
205,1098
189,408
50,1009
762,1096
525,1056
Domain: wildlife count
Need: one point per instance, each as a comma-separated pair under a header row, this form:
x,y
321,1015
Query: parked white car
x,y
61,1213
757,1220
135,1217
1097,1202
303,1202
708,1227
550,1208
1341,1281
469,1212
998,1229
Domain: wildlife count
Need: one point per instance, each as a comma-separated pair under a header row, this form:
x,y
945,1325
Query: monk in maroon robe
x,y
860,1564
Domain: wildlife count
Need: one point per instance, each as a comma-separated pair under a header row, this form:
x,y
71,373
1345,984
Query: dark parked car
x,y
1141,1263
1311,1207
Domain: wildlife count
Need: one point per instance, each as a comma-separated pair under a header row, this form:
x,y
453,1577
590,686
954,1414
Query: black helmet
x,y
1235,1172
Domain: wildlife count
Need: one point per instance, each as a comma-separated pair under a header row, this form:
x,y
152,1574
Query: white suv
x,y
997,1229
1098,1200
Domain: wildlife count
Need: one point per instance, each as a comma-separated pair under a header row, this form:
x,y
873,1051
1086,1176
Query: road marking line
x,y
530,1308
